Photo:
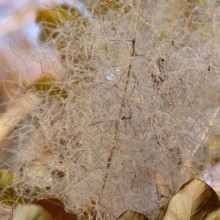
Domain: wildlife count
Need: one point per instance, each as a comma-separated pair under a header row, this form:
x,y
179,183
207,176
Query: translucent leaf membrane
x,y
137,107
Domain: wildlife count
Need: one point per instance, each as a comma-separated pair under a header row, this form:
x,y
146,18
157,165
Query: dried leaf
x,y
213,215
56,208
195,200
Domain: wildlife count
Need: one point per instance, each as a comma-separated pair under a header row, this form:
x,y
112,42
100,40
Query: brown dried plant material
x,y
213,215
116,133
131,215
56,208
195,200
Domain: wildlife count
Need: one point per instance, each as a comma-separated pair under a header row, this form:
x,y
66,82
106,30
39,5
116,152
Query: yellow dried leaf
x,y
194,201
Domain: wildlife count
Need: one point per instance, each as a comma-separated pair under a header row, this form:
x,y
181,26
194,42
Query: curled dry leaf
x,y
195,201
131,215
213,215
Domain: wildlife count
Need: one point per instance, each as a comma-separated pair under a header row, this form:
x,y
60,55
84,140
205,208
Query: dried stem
x,y
118,121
